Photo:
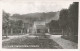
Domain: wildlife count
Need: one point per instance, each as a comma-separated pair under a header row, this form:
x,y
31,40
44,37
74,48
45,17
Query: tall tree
x,y
54,24
12,26
63,21
20,25
73,17
63,17
5,22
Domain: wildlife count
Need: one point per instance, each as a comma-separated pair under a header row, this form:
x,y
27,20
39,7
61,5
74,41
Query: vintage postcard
x,y
39,24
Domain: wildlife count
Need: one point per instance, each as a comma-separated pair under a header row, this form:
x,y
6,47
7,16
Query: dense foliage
x,y
69,21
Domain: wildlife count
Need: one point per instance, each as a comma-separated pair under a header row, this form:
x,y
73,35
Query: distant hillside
x,y
36,16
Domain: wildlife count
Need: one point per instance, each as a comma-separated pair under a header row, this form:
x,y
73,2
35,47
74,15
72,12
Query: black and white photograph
x,y
39,24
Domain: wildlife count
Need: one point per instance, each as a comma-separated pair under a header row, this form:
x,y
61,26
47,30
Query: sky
x,y
32,6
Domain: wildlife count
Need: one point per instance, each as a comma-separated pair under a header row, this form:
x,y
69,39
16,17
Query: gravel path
x,y
66,44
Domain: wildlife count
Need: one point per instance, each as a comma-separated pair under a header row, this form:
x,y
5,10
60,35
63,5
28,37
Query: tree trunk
x,y
21,32
6,33
62,32
2,31
11,31
48,31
